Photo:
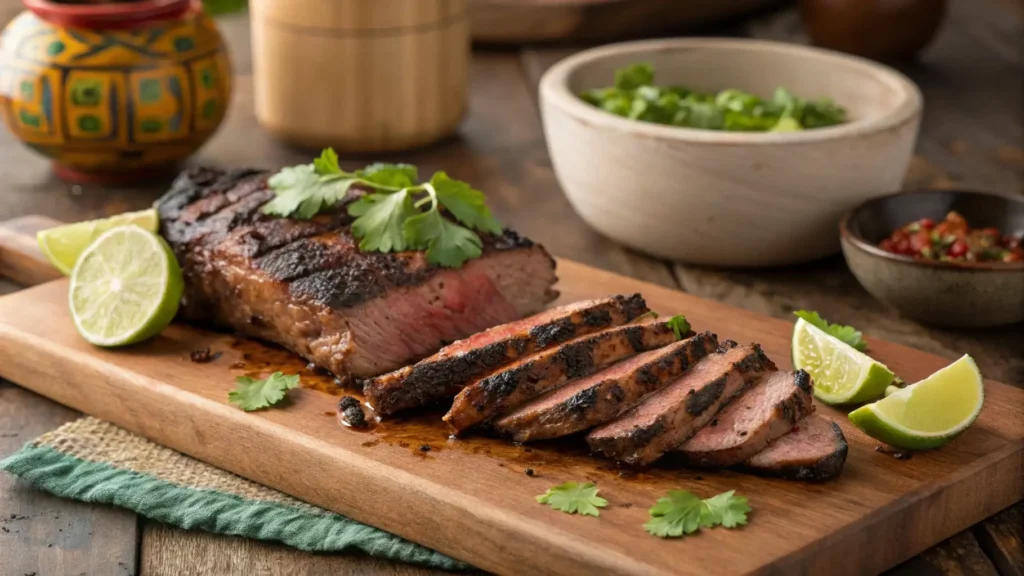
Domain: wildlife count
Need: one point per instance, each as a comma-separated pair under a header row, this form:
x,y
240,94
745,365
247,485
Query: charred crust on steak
x,y
753,362
502,384
726,345
617,393
824,469
583,400
633,305
642,435
601,317
555,332
635,337
699,401
352,412
577,358
649,376
803,381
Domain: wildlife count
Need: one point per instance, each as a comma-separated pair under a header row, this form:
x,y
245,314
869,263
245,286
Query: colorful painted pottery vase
x,y
113,92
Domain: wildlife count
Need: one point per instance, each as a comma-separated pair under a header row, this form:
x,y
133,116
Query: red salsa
x,y
952,240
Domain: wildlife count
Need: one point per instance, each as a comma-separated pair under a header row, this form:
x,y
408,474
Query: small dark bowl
x,y
963,295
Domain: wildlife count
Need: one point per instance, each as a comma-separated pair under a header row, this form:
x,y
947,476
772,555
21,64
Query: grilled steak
x,y
670,416
750,422
815,451
444,374
597,398
510,387
305,285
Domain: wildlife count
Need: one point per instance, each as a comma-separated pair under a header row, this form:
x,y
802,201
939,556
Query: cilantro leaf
x,y
379,221
728,509
847,334
447,243
469,206
634,76
302,193
251,394
391,175
682,512
327,163
679,325
574,498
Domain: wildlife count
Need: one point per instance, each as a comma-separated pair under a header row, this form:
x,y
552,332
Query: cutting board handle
x,y
20,257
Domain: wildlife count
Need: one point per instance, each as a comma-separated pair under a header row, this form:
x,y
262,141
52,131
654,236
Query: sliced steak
x,y
305,285
597,398
670,416
814,451
765,412
510,387
444,374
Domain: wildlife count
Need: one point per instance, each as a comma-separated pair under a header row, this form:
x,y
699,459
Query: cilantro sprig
x,y
253,394
682,512
679,326
847,334
397,214
574,498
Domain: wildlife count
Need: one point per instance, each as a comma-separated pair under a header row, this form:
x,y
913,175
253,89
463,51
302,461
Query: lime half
x,y
841,374
929,413
125,287
64,244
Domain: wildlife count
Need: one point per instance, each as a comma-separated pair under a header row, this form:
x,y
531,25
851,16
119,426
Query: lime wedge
x,y
125,287
64,244
841,374
929,413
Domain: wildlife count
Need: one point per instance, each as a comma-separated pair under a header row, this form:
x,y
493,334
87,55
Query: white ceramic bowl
x,y
728,198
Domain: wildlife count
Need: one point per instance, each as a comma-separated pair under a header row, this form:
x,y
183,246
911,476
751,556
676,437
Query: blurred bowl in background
x,y
728,198
958,294
879,29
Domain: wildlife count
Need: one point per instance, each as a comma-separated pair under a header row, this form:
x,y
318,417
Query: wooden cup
x,y
360,75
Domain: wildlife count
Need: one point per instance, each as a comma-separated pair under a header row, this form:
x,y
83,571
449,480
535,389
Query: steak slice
x,y
597,398
444,374
814,451
510,387
304,284
668,417
749,423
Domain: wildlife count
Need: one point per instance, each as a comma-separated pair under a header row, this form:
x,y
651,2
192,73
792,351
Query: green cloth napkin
x,y
95,461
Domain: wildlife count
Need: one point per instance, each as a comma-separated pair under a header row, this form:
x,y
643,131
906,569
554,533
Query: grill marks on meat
x,y
600,397
306,286
814,452
670,416
510,387
762,414
444,374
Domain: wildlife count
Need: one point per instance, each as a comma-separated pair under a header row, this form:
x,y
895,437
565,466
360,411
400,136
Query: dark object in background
x,y
511,22
878,29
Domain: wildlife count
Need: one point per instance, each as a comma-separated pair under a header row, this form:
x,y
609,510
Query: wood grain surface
x,y
971,137
43,534
897,508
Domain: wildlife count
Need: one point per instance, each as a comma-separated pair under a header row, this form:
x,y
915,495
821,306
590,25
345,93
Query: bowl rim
x,y
554,88
846,234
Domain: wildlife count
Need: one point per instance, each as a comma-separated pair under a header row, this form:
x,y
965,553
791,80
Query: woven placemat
x,y
94,461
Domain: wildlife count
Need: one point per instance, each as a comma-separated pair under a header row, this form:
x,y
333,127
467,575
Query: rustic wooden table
x,y
971,137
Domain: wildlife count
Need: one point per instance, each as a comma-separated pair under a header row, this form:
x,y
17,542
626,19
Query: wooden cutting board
x,y
471,498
